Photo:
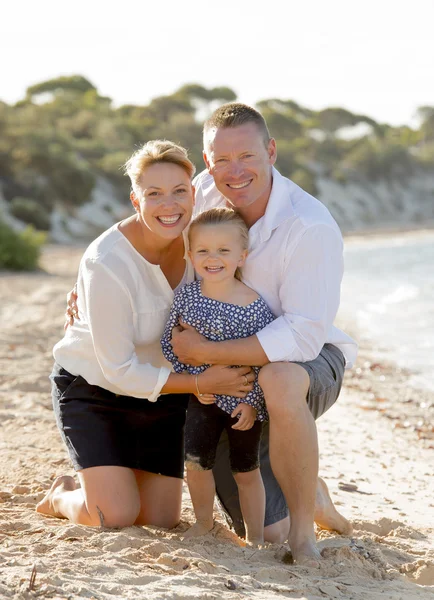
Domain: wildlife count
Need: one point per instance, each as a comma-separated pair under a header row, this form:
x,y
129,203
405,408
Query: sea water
x,y
388,291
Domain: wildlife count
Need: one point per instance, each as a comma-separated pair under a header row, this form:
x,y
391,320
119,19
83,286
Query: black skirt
x,y
100,428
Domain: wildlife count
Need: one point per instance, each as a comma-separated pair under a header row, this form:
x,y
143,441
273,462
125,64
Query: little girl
x,y
221,307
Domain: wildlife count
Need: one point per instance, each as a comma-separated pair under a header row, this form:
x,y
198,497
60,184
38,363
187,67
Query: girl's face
x,y
216,251
167,198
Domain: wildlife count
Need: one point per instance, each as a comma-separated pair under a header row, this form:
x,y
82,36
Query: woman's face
x,y
166,202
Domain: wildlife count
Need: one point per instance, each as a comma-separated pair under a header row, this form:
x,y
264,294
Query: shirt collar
x,y
279,207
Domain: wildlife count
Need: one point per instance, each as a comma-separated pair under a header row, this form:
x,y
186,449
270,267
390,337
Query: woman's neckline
x,y
131,245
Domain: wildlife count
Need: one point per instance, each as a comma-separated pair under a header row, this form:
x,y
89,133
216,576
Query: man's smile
x,y
239,186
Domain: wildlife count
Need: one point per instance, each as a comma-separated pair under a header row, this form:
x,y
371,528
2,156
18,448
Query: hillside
x,y
62,148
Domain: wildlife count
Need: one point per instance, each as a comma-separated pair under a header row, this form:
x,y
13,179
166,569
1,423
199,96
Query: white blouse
x,y
123,302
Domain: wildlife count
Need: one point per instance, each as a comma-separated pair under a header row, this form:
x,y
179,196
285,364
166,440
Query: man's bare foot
x,y
255,542
305,554
65,483
198,529
326,515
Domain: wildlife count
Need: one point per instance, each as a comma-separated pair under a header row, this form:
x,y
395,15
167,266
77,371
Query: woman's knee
x,y
111,514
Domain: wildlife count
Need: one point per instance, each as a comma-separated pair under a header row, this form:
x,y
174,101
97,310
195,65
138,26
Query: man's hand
x,y
71,312
247,416
188,345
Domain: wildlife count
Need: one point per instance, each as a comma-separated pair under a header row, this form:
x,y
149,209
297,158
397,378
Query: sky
x,y
370,57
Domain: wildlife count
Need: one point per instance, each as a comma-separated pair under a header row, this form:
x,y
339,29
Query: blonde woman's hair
x,y
153,152
221,216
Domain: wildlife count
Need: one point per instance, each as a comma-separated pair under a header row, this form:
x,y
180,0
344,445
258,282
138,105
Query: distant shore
x,y
426,228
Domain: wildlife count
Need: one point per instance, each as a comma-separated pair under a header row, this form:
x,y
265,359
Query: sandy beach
x,y
376,455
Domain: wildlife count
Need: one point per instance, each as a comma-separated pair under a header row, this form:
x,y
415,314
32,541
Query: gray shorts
x,y
326,373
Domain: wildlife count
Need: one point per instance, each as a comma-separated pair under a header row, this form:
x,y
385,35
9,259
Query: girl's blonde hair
x,y
221,216
153,152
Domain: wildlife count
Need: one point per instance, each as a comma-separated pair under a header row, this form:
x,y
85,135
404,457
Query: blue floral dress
x,y
217,321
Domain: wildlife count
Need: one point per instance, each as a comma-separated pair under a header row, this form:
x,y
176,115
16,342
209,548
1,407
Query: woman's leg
x,y
160,499
108,496
251,492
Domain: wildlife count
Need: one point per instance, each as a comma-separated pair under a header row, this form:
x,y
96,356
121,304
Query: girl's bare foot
x,y
326,515
199,528
61,484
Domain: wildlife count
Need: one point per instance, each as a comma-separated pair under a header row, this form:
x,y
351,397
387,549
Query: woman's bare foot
x,y
198,529
326,515
64,483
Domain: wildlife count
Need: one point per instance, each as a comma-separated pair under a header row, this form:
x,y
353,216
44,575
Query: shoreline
x,y
375,234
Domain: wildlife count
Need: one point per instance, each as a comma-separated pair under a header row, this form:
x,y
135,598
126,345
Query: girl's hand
x,y
230,381
247,416
206,398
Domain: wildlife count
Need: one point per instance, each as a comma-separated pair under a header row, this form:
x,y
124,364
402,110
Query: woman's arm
x,y
105,302
218,379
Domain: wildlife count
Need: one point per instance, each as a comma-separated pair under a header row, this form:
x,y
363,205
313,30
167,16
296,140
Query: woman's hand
x,y
71,312
247,416
231,381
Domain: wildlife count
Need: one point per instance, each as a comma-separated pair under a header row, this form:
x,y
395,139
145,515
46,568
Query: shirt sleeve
x,y
166,338
309,294
109,312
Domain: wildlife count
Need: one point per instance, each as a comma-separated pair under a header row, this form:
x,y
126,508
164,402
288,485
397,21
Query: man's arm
x,y
309,293
194,349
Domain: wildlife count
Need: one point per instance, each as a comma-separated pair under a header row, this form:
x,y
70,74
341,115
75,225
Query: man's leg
x,y
326,373
293,451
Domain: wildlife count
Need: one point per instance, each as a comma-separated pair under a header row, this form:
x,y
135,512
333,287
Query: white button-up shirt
x,y
295,263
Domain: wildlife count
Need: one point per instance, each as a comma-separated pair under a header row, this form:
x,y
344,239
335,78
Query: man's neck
x,y
252,214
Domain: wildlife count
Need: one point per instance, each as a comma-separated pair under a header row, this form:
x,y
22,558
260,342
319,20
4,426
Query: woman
x,y
119,408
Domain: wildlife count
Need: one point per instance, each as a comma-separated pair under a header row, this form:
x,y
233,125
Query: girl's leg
x,y
202,491
244,458
203,427
108,496
160,499
252,501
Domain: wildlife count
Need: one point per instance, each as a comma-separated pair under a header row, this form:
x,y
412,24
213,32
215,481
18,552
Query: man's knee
x,y
277,533
284,385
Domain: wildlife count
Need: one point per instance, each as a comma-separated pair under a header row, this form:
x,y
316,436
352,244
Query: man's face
x,y
240,163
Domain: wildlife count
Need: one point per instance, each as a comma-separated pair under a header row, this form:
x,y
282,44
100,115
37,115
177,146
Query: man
x,y
295,262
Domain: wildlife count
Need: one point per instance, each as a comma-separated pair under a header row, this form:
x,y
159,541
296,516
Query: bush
x,y
306,180
31,212
20,251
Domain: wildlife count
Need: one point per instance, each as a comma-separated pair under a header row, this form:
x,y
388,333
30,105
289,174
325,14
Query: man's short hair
x,y
235,114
